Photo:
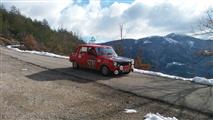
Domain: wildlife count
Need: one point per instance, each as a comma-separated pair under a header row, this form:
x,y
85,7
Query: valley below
x,y
173,54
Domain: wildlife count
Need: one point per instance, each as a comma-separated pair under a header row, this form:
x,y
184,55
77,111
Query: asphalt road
x,y
40,87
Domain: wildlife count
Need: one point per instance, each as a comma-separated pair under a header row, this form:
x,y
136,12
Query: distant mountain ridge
x,y
173,54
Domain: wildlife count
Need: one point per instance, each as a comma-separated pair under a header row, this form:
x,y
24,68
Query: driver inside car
x,y
92,51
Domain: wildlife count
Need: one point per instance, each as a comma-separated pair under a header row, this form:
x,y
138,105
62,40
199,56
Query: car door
x,y
83,56
91,62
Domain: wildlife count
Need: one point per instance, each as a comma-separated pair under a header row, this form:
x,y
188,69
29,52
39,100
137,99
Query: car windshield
x,y
106,51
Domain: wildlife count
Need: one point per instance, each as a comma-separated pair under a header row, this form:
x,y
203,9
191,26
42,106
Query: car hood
x,y
120,59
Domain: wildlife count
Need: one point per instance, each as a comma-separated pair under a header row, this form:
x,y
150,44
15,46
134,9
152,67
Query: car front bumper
x,y
123,69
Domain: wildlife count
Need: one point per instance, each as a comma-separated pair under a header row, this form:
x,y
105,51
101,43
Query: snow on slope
x,y
191,44
199,80
147,42
37,52
170,40
174,63
151,116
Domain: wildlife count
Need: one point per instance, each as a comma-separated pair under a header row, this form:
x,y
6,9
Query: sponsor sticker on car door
x,y
91,63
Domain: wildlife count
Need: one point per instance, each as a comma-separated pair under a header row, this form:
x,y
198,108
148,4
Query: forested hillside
x,y
15,28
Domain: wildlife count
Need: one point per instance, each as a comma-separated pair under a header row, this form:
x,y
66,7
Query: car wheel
x,y
104,70
74,65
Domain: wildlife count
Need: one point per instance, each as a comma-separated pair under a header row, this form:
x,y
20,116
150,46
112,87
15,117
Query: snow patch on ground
x,y
199,80
130,111
24,69
36,52
202,80
151,116
161,74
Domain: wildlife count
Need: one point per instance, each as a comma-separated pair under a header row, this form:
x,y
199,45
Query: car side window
x,y
83,50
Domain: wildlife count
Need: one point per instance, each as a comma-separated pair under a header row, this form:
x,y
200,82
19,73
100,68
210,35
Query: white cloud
x,y
116,9
40,9
140,18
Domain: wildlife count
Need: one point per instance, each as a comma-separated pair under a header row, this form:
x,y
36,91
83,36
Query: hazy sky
x,y
101,18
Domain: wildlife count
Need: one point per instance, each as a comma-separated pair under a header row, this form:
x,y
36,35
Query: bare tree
x,y
206,24
206,28
119,46
121,30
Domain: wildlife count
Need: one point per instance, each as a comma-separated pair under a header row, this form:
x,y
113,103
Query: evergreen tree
x,y
34,34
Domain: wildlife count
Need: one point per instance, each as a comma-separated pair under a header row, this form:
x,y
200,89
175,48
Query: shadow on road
x,y
181,93
80,75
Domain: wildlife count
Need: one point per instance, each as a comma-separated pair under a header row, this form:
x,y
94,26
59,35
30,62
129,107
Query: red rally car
x,y
102,58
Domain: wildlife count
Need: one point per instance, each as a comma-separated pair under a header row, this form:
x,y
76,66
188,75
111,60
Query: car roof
x,y
93,45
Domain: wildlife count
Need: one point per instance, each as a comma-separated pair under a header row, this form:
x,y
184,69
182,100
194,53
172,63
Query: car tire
x,y
74,65
105,70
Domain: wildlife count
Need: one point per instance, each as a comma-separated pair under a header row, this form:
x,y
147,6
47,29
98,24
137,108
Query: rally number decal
x,y
91,64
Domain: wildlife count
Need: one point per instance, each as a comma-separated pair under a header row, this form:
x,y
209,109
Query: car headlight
x,y
115,63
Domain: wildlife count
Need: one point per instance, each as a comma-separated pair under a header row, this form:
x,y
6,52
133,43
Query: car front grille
x,y
123,63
